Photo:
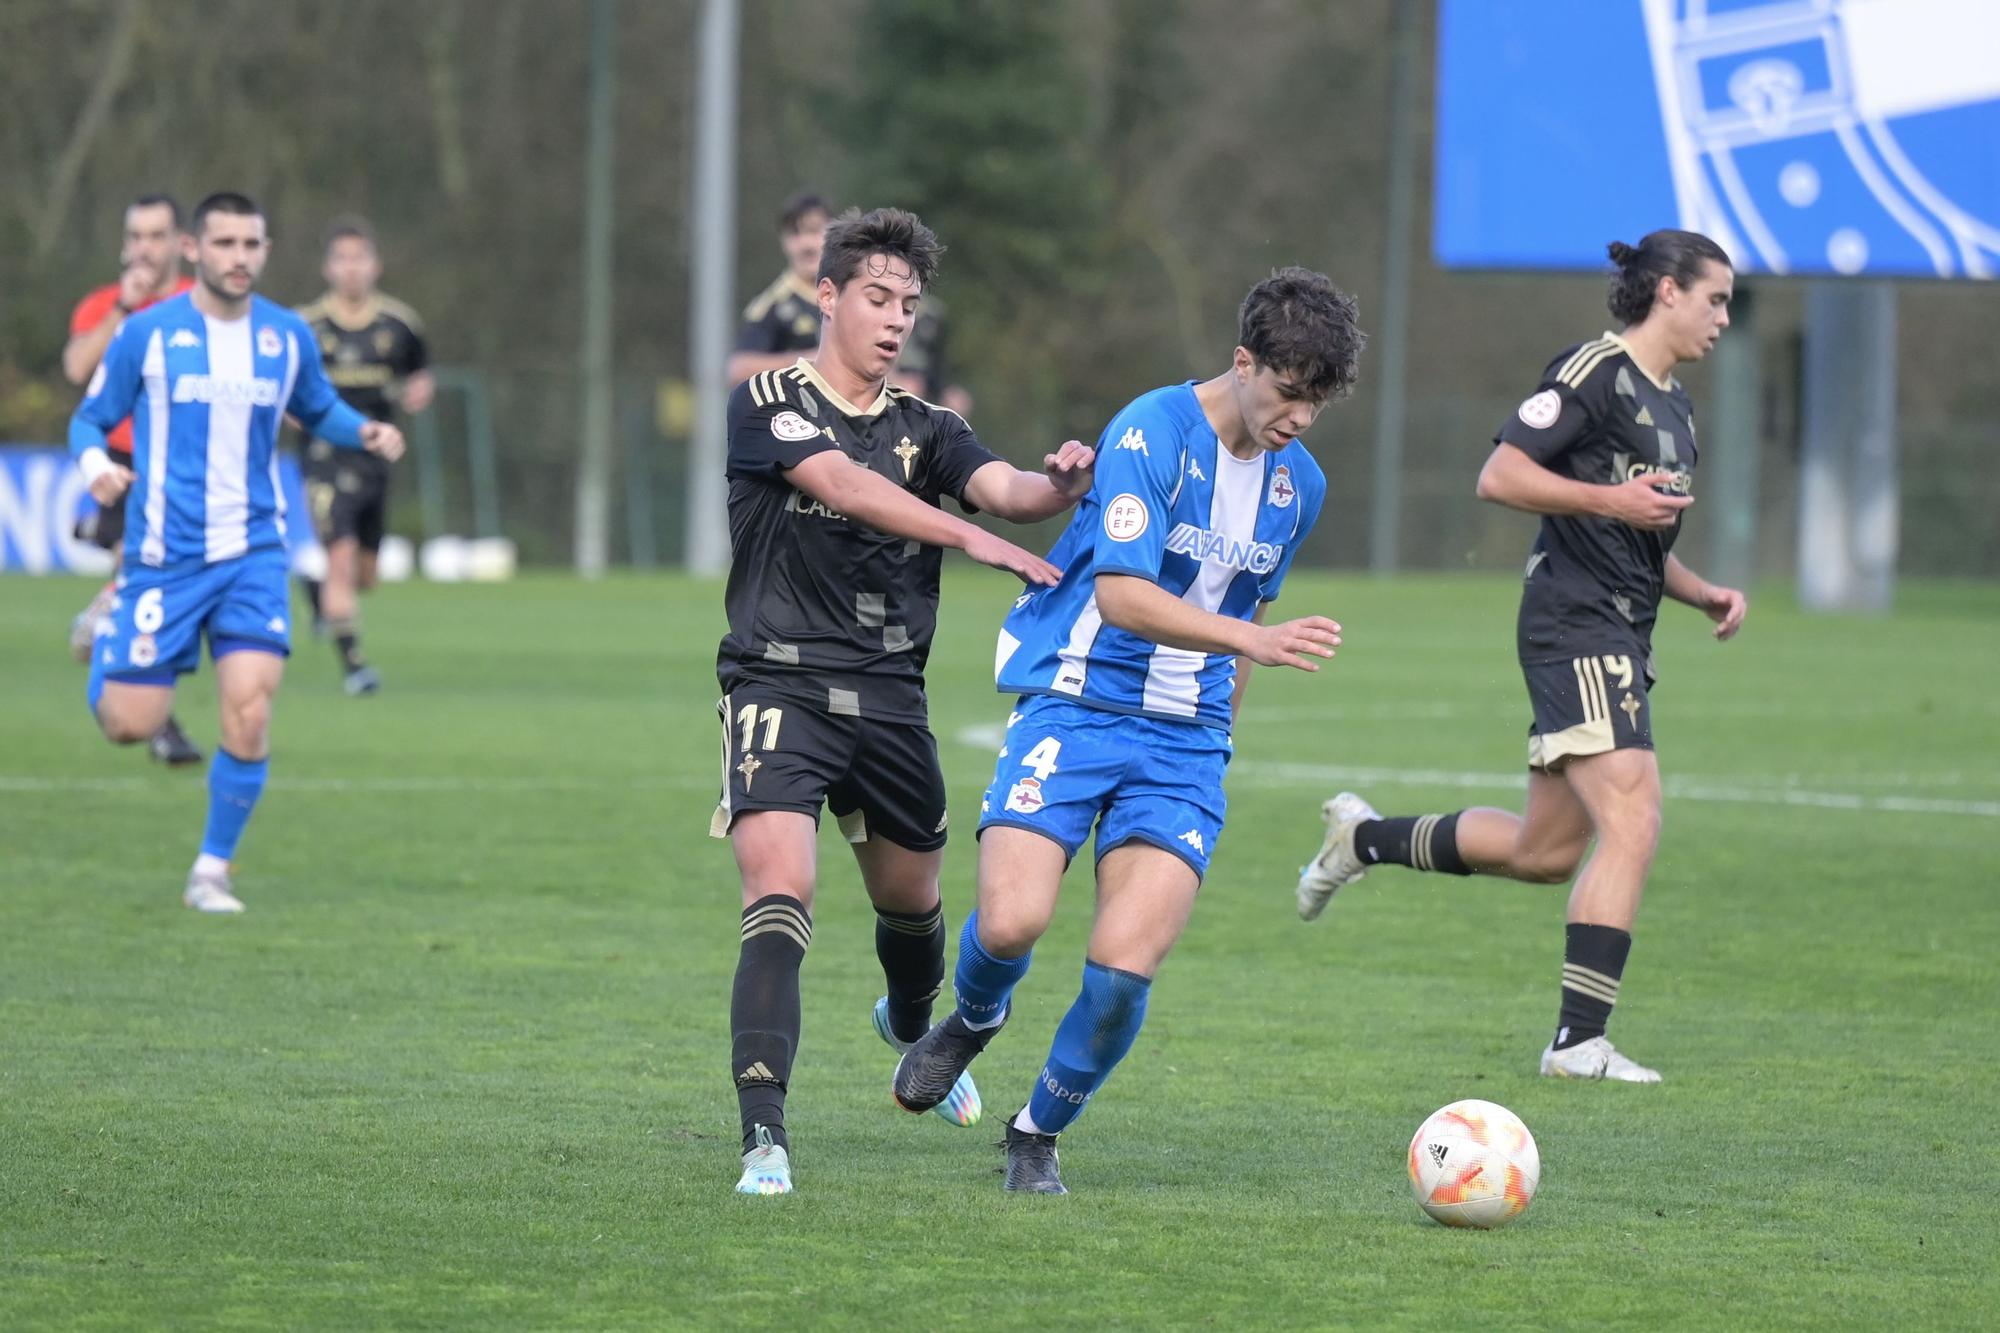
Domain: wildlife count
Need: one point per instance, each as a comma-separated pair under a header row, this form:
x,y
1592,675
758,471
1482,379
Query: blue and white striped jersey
x,y
1169,504
206,397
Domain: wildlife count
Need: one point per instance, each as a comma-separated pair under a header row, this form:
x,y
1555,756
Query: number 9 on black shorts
x,y
1587,705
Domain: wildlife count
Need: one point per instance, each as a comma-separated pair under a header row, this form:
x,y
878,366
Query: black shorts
x,y
1587,705
880,779
349,494
104,526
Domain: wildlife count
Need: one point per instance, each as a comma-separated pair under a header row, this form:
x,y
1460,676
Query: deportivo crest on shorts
x,y
1026,797
1282,490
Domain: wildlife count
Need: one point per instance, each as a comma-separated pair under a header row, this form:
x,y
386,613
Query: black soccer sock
x,y
346,632
311,589
911,947
1421,842
764,1012
1593,962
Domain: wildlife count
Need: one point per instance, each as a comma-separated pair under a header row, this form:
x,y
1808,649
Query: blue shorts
x,y
1064,767
154,631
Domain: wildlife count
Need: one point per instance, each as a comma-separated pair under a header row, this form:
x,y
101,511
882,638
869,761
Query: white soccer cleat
x,y
210,893
1596,1058
1337,865
83,629
767,1168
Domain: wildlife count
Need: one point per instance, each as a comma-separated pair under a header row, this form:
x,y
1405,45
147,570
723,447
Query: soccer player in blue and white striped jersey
x,y
1129,677
206,378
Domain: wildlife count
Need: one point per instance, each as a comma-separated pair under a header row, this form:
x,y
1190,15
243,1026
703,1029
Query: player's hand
x,y
135,284
110,485
1070,469
1642,504
382,439
1000,553
1294,643
418,392
1726,607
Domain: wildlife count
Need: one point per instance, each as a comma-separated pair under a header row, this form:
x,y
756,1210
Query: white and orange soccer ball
x,y
1474,1164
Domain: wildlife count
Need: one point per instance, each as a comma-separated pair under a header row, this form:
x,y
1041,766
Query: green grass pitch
x,y
464,1062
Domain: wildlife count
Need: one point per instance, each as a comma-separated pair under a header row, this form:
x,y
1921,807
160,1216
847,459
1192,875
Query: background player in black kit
x,y
837,539
782,323
1604,451
373,346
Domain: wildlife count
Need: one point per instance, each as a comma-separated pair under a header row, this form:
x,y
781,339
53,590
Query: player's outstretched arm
x,y
1003,490
845,487
1512,478
1142,607
1725,606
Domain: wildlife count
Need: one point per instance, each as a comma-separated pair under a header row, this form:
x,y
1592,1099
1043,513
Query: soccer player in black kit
x,y
373,346
837,538
1604,451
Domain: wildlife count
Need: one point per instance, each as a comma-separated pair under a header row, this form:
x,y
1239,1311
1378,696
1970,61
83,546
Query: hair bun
x,y
1621,253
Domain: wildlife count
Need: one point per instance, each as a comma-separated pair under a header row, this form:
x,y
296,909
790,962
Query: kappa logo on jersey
x,y
1205,544
1125,518
269,343
1193,839
1194,469
1542,410
185,338
1282,490
1134,438
1025,797
259,392
792,427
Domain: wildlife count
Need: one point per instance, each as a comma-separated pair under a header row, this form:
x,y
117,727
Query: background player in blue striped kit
x,y
1129,680
206,378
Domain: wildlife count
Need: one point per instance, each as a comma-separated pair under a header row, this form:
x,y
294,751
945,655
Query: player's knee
x,y
246,726
1548,865
122,728
1008,931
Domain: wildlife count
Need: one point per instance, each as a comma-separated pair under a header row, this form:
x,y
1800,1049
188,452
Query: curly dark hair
x,y
854,236
1297,323
1638,269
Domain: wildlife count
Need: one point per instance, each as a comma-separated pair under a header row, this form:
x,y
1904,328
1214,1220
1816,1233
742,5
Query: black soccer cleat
x,y
171,746
930,1069
1032,1167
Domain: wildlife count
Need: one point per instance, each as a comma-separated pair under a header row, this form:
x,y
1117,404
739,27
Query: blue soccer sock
x,y
233,788
984,983
1090,1041
95,690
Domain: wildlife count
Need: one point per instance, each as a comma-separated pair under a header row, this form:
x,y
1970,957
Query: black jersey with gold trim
x,y
783,318
368,359
1594,584
823,609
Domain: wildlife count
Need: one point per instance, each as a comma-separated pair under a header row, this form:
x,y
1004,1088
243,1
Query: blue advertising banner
x,y
1812,137
42,496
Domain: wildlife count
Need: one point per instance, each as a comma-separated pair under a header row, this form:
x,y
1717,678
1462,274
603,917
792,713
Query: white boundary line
x,y
1739,790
